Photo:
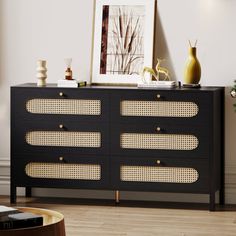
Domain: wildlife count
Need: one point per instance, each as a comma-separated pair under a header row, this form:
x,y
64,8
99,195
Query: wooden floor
x,y
104,218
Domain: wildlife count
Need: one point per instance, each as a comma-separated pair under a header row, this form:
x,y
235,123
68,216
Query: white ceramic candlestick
x,y
41,73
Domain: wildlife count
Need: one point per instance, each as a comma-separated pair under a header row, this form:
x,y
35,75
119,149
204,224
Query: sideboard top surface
x,y
103,87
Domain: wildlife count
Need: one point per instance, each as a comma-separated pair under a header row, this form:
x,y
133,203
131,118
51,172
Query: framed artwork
x,y
123,40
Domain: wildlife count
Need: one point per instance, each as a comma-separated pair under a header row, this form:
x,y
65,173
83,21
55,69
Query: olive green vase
x,y
192,71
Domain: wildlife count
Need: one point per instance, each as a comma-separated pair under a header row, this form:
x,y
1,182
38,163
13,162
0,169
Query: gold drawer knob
x,y
158,96
61,126
61,94
61,158
158,162
158,129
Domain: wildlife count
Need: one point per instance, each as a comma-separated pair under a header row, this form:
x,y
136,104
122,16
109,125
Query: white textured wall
x,y
53,30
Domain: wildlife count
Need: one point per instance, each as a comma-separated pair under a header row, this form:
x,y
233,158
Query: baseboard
x,y
230,184
5,186
4,176
230,190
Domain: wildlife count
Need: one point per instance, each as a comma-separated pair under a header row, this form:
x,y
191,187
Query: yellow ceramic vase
x,y
192,72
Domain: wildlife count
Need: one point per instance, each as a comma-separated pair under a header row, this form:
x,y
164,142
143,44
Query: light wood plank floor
x,y
84,218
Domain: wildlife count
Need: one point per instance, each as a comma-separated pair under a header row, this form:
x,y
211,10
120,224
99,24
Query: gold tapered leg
x,y
117,196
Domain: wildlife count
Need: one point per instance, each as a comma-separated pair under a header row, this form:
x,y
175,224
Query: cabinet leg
x,y
212,202
13,194
117,196
28,192
222,196
222,178
222,187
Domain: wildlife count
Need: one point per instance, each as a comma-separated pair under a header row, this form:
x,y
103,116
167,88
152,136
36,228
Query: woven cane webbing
x,y
158,174
64,106
158,108
64,139
63,171
158,141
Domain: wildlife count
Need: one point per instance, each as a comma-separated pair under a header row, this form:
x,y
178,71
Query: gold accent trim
x,y
117,196
49,216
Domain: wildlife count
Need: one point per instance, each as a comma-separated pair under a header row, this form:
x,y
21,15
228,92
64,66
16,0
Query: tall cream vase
x,y
41,73
192,71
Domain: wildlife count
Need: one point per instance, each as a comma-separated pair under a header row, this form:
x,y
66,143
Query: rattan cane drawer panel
x,y
63,171
158,141
64,139
64,106
158,174
158,108
161,174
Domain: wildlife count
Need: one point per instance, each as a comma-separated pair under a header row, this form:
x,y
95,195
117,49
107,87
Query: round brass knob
x,y
61,126
158,129
158,162
61,158
61,94
158,96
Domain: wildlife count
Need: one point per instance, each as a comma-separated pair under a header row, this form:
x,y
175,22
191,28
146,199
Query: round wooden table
x,y
53,224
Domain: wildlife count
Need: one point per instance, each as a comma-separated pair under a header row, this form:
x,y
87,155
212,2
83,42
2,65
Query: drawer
x,y
181,107
57,103
163,140
164,175
52,170
68,137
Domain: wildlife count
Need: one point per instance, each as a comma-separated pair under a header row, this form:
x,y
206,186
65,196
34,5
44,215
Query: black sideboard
x,y
118,138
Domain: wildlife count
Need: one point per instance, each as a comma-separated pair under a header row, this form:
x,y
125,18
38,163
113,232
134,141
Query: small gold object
x,y
158,96
158,129
155,74
162,70
61,94
117,196
61,158
158,162
61,126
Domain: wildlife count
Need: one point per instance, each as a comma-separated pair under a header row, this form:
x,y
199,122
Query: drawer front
x,y
56,171
164,140
71,137
59,103
89,107
181,107
175,109
166,174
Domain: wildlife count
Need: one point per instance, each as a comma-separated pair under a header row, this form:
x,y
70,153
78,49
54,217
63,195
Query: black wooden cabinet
x,y
118,138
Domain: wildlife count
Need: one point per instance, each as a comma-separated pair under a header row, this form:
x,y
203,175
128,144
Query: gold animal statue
x,y
162,70
156,74
147,72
